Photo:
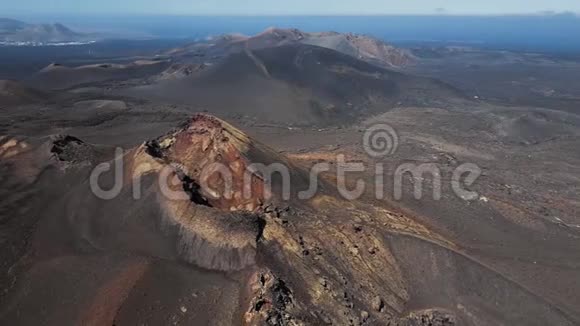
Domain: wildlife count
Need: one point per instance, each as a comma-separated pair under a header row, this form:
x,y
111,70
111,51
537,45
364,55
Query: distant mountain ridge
x,y
362,47
15,31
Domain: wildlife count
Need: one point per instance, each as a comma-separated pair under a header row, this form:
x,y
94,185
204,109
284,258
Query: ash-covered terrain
x,y
119,247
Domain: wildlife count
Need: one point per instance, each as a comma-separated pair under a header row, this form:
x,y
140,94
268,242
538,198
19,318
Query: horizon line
x,y
434,14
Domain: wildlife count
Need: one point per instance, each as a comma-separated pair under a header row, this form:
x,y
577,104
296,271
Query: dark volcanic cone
x,y
213,187
296,84
205,146
169,236
362,47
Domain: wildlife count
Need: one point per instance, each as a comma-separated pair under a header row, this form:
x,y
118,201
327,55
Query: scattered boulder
x,y
378,304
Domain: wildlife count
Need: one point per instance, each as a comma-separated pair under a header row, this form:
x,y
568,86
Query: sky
x,y
293,7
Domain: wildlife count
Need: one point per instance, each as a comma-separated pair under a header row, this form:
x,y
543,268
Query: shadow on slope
x,y
297,84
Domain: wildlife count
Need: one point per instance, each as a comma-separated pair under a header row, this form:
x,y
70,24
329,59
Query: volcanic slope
x,y
362,47
296,84
192,250
58,77
15,93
